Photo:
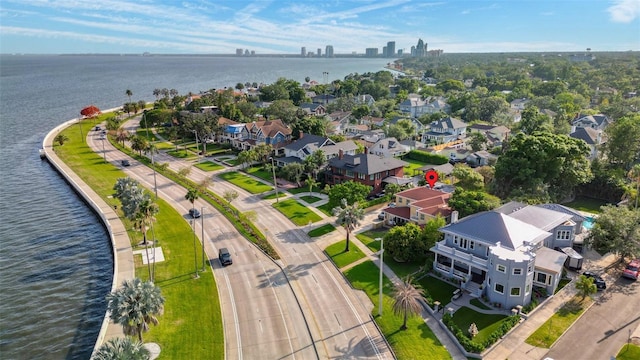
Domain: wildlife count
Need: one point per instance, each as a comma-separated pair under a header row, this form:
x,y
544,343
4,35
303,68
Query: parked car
x,y
98,128
381,215
599,281
225,257
632,271
125,163
194,213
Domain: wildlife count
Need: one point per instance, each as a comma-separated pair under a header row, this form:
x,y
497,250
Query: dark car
x,y
599,281
632,271
125,163
194,213
225,257
381,215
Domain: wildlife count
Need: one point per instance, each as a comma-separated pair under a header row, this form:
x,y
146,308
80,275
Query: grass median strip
x,y
192,309
322,230
243,181
209,166
552,329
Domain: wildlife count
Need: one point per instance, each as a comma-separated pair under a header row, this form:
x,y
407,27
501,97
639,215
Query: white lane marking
x,y
235,314
275,294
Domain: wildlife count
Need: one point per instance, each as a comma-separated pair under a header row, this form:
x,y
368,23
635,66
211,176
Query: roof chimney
x,y
301,135
340,154
454,216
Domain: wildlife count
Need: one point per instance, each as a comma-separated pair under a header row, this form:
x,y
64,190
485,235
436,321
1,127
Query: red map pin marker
x,y
431,177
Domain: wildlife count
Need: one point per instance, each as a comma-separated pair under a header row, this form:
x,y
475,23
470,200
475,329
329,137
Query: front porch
x,y
468,269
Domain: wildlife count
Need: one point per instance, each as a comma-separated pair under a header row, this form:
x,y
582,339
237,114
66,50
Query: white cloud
x,y
624,11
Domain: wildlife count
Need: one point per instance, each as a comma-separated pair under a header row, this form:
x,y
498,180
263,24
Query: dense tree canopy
x,y
617,229
351,191
623,142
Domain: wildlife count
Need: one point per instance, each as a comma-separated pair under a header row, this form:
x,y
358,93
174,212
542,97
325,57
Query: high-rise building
x,y
371,52
328,52
421,49
384,51
391,49
239,52
319,52
303,51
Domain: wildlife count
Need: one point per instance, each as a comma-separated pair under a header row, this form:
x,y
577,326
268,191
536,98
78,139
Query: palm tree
x,y
138,143
192,195
122,348
129,93
311,182
406,299
61,139
135,305
348,216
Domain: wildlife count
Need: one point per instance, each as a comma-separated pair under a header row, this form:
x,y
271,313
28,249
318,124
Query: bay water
x,y
55,260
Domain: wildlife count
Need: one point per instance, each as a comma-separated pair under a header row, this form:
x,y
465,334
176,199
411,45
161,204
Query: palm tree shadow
x,y
365,348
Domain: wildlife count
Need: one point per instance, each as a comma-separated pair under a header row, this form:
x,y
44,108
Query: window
x,y
349,173
529,268
361,176
563,235
527,289
515,291
541,277
517,271
371,177
421,216
501,268
499,288
455,240
472,245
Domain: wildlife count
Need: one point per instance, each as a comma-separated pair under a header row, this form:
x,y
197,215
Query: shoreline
x,y
121,251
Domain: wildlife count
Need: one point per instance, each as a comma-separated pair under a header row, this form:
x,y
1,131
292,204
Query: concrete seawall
x,y
123,265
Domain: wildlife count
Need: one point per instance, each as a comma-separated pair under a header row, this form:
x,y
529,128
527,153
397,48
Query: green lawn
x,y
369,237
586,204
310,199
629,352
208,166
243,181
340,257
486,323
182,154
296,212
185,329
325,209
259,172
553,328
322,230
411,169
479,304
412,343
402,269
304,189
438,290
273,195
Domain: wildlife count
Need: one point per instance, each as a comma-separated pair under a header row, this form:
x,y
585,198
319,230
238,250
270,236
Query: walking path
x,y
123,264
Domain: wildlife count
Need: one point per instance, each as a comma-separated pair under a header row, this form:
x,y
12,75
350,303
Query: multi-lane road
x,y
298,308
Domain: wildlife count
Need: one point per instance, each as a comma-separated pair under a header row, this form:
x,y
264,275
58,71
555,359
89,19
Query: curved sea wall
x,y
123,265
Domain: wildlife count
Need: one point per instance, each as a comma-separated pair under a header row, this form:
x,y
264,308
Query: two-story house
x,y
445,130
495,135
388,147
417,107
597,122
519,104
307,144
417,205
313,109
245,136
504,253
366,169
592,137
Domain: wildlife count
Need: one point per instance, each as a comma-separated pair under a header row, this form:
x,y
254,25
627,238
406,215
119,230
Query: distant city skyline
x,y
285,26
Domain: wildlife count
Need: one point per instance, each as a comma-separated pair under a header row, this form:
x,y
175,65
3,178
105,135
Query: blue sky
x,y
284,26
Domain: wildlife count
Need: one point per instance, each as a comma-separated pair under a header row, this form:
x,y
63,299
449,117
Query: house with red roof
x,y
418,205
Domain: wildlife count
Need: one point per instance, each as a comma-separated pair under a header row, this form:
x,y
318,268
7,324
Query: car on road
x,y
194,213
632,271
125,163
225,257
597,279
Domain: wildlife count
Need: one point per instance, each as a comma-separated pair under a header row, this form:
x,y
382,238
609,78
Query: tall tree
x,y
122,348
468,202
348,216
404,243
192,195
468,178
129,93
623,142
617,230
135,305
585,286
406,300
350,191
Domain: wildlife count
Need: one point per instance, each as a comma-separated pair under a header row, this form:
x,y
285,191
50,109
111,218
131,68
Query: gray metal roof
x,y
306,140
366,163
550,260
492,227
540,217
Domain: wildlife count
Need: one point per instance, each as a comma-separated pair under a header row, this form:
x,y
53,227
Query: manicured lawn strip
x,y
182,154
437,289
369,238
479,304
233,161
310,199
322,230
340,257
242,181
303,189
208,166
553,328
411,169
147,134
586,204
629,352
273,195
325,209
296,212
188,321
402,269
412,343
486,323
259,172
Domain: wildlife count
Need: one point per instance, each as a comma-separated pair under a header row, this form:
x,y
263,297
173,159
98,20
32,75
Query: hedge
x,y
473,347
427,158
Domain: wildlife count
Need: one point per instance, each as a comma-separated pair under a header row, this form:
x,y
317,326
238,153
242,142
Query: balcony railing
x,y
461,255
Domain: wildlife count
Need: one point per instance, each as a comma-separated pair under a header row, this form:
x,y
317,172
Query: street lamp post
x,y
381,267
195,248
275,184
202,239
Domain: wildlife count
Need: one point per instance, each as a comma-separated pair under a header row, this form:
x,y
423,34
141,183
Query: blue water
x,y
55,262
588,222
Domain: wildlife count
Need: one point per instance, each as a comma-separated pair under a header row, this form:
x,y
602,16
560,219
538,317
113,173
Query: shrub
x,y
471,346
427,158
